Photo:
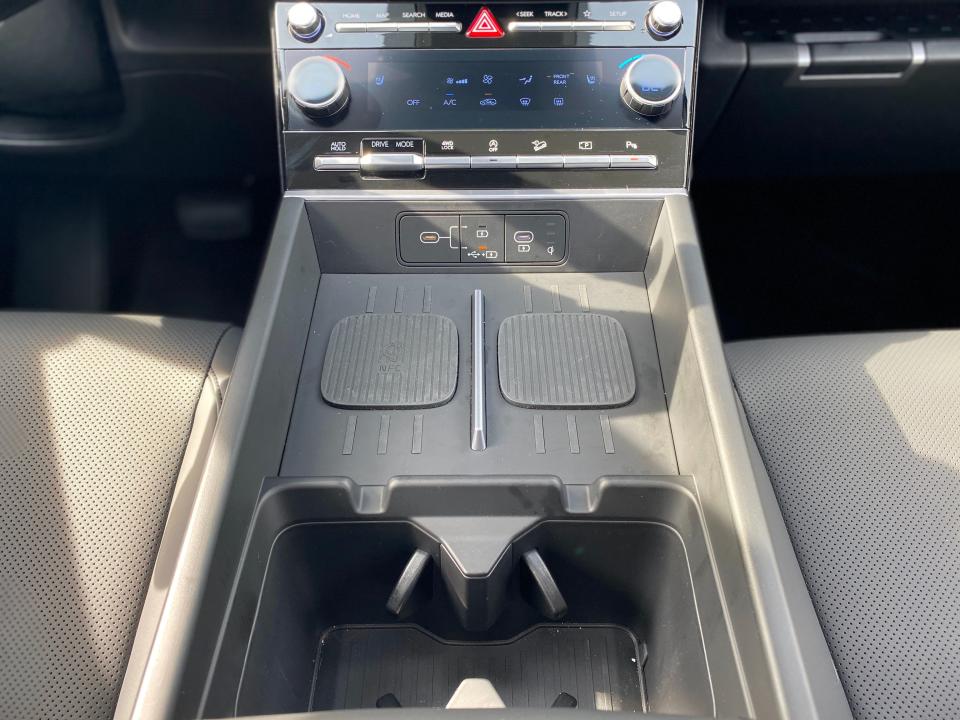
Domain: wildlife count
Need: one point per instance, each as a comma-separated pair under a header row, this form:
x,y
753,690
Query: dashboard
x,y
469,95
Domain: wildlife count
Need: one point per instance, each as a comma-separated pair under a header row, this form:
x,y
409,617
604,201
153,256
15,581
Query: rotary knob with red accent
x,y
318,87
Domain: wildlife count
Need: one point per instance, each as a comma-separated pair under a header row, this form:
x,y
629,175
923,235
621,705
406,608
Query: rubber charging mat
x,y
359,666
391,361
565,360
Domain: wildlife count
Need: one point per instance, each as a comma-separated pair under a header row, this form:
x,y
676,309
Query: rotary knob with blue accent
x,y
664,19
305,21
651,84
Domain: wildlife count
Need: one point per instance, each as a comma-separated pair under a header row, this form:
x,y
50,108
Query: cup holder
x,y
592,614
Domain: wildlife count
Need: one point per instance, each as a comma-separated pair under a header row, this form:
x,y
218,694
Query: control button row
x,y
523,239
578,162
389,27
411,162
573,25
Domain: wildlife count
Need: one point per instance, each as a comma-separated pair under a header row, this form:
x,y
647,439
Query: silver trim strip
x,y
391,162
447,162
391,27
453,27
539,161
478,398
571,26
588,25
484,162
524,26
336,162
644,162
586,161
475,195
413,27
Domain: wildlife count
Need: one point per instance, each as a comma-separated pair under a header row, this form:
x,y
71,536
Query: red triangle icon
x,y
484,25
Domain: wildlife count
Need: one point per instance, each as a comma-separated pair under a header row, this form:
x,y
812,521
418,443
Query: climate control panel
x,y
594,94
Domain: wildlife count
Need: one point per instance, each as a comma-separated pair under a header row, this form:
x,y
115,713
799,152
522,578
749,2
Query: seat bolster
x,y
191,471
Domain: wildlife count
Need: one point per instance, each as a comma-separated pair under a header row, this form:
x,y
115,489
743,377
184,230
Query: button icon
x,y
630,145
526,80
488,102
447,145
585,145
487,79
525,101
484,25
558,102
539,145
432,237
493,146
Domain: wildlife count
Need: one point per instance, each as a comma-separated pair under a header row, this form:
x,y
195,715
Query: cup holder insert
x,y
592,667
624,584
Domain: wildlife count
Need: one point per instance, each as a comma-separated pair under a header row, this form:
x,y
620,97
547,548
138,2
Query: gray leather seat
x,y
103,420
861,438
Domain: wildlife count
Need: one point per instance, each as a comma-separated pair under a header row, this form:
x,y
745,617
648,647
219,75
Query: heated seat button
x,y
535,238
430,238
481,238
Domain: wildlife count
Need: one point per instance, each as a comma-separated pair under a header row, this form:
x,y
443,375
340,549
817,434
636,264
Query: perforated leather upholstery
x,y
95,415
861,438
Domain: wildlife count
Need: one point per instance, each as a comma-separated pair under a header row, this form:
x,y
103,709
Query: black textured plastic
x,y
599,665
391,361
565,360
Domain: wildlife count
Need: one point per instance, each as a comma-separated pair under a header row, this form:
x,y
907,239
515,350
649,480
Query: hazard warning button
x,y
484,25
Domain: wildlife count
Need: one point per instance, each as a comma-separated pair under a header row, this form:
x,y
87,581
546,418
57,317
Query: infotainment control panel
x,y
502,95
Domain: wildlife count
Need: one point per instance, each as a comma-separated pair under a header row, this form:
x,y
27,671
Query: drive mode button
x,y
381,157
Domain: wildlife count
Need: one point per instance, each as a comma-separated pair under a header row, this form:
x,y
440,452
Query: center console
x,y
462,96
481,449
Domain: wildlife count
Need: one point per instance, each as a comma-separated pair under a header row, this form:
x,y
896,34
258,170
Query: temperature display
x,y
417,90
428,94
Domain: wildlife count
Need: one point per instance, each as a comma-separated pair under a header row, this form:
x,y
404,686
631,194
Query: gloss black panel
x,y
487,89
505,13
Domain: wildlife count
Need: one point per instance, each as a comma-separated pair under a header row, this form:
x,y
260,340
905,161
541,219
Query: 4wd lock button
x,y
535,238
